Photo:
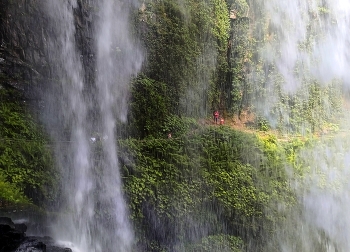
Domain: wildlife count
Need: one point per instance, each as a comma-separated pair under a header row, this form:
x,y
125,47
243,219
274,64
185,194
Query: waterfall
x,y
308,42
81,113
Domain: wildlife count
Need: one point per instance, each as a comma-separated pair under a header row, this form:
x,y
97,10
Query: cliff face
x,y
21,50
22,34
27,71
25,63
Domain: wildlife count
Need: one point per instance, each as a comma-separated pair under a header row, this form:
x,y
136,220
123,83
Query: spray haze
x,y
306,48
309,38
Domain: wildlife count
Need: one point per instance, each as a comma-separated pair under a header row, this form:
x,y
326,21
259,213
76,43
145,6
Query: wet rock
x,y
25,60
7,221
31,245
40,244
21,227
10,237
14,239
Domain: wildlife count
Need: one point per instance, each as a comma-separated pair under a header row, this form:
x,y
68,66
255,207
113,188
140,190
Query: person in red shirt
x,y
216,116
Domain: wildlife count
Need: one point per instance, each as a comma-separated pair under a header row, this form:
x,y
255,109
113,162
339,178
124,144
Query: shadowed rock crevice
x,y
13,239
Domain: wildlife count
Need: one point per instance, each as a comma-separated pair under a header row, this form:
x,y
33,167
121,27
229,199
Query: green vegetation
x,y
26,166
186,50
9,193
213,178
206,55
224,243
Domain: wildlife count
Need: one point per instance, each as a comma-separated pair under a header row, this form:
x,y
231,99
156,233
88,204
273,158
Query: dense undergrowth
x,y
209,184
206,188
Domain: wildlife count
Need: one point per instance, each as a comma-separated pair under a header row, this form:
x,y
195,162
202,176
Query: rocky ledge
x,y
13,239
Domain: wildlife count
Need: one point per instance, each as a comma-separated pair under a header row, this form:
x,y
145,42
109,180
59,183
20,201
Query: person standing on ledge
x,y
216,116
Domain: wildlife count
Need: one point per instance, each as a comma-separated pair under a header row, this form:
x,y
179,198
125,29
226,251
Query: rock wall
x,y
22,50
25,63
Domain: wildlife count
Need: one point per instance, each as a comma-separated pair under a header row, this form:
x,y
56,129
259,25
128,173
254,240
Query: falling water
x,y
309,41
82,112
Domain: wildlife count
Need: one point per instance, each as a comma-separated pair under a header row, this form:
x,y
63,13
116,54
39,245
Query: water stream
x,y
82,113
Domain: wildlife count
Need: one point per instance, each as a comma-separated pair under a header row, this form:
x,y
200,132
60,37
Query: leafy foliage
x,y
9,194
25,160
186,44
212,179
150,106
